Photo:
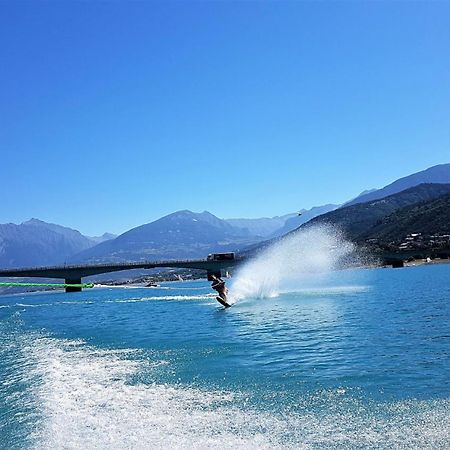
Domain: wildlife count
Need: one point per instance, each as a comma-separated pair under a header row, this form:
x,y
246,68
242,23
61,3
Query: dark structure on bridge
x,y
74,274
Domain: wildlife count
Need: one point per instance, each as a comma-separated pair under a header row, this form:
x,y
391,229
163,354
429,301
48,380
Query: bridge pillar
x,y
398,263
73,281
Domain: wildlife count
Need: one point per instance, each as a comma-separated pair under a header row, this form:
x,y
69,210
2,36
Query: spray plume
x,y
290,262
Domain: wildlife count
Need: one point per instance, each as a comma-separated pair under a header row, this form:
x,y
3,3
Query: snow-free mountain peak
x,y
436,174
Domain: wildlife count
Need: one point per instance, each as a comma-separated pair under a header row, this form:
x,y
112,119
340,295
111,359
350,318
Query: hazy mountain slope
x,y
104,237
37,243
183,234
358,220
428,218
33,245
419,208
296,221
80,241
362,194
435,174
73,237
264,226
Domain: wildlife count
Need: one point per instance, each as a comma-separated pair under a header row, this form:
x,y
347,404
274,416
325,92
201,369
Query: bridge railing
x,y
125,264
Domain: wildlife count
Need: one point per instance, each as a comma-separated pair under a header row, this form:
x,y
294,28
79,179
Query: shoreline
x,y
425,262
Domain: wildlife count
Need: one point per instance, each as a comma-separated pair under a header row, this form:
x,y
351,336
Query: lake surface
x,y
360,359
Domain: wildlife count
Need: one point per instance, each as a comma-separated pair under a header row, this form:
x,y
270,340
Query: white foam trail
x,y
86,401
163,297
128,300
34,306
333,290
288,263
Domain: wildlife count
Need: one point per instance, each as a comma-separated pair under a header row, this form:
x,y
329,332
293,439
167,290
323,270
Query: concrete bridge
x,y
74,274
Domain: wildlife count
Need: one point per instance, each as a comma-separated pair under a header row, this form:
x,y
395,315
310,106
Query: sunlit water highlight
x,y
359,360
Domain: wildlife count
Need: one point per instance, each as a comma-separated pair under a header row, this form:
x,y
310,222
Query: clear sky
x,y
113,114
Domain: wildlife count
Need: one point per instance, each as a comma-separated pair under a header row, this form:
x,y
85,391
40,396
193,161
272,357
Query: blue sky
x,y
113,114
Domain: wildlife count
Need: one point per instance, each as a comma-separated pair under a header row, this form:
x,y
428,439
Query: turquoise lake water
x,y
360,359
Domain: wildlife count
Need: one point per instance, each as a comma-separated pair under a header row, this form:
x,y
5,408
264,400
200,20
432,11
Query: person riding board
x,y
219,285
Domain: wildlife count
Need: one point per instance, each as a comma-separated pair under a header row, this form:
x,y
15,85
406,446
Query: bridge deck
x,y
73,272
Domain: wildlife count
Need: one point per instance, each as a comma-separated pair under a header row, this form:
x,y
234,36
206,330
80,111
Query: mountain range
x,y
299,219
391,217
435,174
431,218
265,226
36,242
185,234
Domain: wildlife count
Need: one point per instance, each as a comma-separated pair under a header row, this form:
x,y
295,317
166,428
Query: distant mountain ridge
x,y
364,221
183,234
299,219
280,225
35,243
71,234
104,237
436,174
264,226
362,194
431,217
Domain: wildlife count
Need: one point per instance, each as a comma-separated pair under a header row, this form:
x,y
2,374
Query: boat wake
x,y
86,399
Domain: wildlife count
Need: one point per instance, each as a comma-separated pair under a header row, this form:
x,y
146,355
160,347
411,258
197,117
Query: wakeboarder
x,y
219,285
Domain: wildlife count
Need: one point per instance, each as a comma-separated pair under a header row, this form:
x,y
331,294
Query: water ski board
x,y
223,302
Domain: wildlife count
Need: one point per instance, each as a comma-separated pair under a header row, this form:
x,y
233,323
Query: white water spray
x,y
290,262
